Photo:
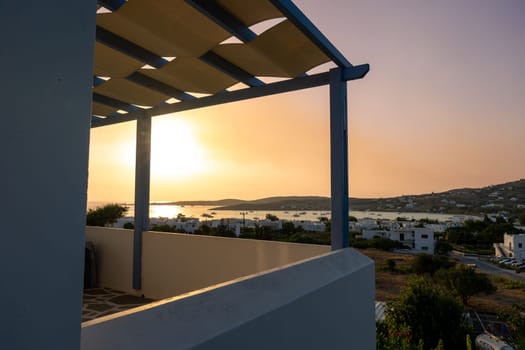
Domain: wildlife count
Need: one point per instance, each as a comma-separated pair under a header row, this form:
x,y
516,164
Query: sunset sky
x,y
442,107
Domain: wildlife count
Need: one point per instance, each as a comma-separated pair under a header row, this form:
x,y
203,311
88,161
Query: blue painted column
x,y
339,159
47,60
142,186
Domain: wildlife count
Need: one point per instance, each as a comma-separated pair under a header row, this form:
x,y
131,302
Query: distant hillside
x,y
508,197
282,203
221,202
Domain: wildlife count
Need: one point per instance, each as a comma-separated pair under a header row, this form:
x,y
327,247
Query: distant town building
x,y
417,239
513,246
311,226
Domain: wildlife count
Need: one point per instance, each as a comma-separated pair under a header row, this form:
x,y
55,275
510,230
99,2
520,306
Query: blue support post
x,y
339,158
142,186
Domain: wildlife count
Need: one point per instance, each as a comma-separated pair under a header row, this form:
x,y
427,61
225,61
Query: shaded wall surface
x,y
173,264
325,302
46,59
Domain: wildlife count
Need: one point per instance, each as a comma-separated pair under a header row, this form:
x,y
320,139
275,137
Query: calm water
x,y
197,211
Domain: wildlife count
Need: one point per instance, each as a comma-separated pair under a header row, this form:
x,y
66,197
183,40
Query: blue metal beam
x,y
97,81
112,5
229,68
238,95
302,22
230,23
355,72
95,117
112,119
338,159
112,102
142,189
156,85
224,97
128,48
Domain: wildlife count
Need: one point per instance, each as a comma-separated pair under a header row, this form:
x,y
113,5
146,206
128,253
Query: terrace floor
x,y
99,302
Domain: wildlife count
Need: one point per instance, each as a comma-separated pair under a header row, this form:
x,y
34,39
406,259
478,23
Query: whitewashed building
x,y
310,226
416,238
513,246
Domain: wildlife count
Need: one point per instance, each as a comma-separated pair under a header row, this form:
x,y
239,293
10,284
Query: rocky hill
x,y
508,197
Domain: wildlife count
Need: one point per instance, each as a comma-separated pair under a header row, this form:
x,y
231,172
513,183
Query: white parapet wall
x,y
113,256
325,302
173,263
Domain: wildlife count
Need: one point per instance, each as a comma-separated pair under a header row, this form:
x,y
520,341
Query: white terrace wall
x,y
178,263
326,302
114,256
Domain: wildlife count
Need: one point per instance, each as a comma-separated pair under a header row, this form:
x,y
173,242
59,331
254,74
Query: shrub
x,y
512,284
129,226
108,214
443,247
465,282
391,264
430,313
425,263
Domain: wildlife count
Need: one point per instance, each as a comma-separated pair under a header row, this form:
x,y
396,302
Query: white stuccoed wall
x,y
325,302
46,62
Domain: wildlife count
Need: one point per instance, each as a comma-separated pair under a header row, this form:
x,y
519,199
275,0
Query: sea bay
x,y
160,210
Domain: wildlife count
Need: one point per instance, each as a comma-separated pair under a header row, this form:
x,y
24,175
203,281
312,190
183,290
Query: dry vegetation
x,y
388,284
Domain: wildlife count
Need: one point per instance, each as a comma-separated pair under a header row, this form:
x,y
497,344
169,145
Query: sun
x,y
175,149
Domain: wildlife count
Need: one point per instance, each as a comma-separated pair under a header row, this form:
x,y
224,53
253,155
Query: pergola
x,y
151,57
165,56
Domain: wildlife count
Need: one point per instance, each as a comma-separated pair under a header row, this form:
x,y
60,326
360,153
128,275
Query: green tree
x,y
163,228
442,247
203,229
391,265
465,282
430,313
327,223
391,337
247,232
521,219
429,264
288,228
181,217
105,215
459,235
475,226
129,226
223,230
428,221
272,217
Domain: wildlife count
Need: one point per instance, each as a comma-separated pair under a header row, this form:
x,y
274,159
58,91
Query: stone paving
x,y
99,302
